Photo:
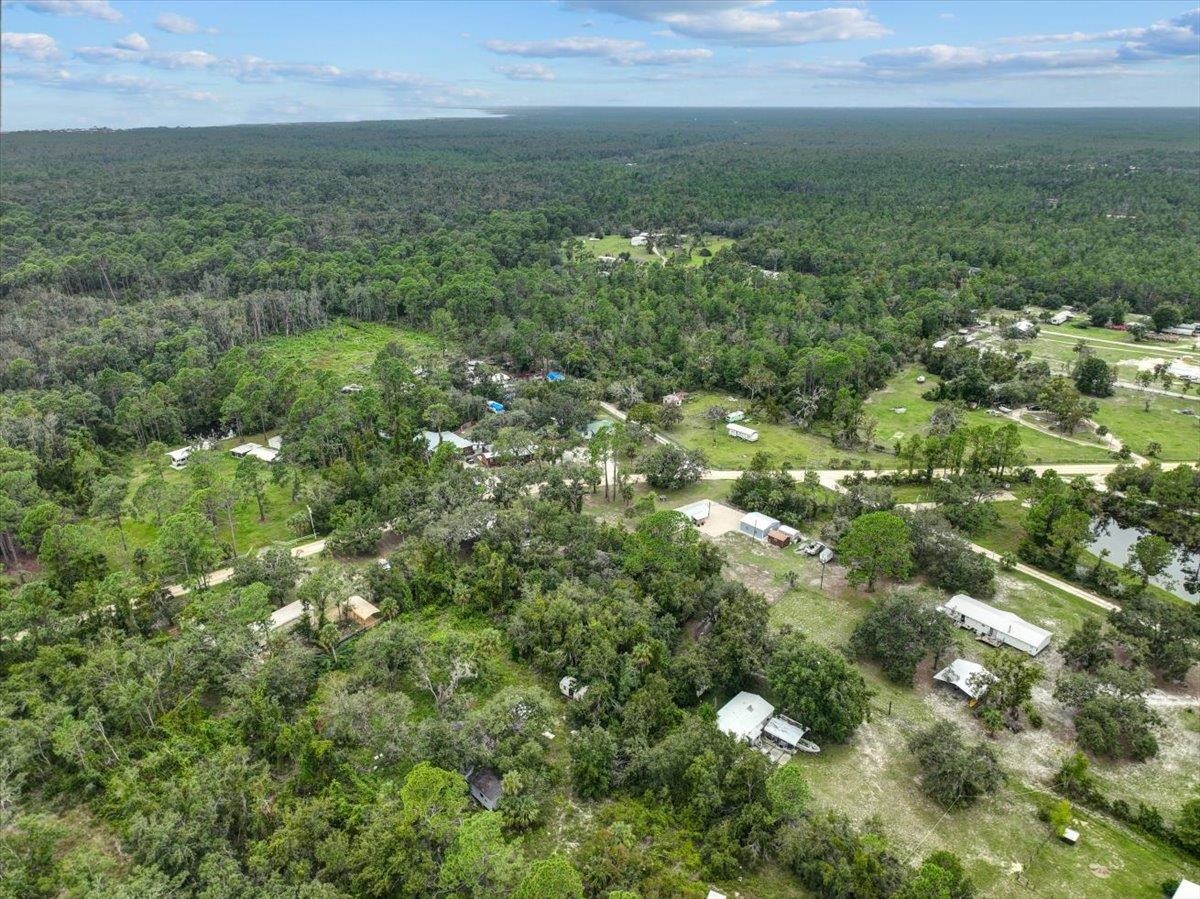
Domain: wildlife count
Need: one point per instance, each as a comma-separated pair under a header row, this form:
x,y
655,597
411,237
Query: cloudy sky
x,y
79,63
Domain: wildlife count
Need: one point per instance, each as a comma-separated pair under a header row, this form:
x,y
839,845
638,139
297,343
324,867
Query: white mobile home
x,y
179,457
741,432
996,626
1185,371
757,525
736,415
286,616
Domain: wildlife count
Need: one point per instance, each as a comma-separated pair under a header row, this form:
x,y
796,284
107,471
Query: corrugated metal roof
x,y
998,619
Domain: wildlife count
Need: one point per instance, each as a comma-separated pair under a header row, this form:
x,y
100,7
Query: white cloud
x,y
175,59
258,70
202,97
612,50
94,9
529,71
29,45
751,23
173,23
132,41
1179,36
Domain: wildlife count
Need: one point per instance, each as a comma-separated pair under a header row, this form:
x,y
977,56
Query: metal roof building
x,y
996,626
697,512
960,672
434,439
757,525
745,716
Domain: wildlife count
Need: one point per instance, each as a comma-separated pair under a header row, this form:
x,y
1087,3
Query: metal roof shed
x,y
757,525
696,512
967,676
485,788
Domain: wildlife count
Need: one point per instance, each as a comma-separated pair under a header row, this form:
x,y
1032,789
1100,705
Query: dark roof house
x,y
485,788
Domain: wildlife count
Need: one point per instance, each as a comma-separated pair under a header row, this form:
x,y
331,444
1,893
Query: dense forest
x,y
159,737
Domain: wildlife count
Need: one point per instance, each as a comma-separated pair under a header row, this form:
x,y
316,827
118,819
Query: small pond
x,y
1119,540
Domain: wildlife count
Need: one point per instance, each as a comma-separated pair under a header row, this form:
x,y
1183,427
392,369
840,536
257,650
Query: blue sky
x,y
80,63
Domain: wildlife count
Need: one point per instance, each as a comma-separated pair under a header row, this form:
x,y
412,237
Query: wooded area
x,y
286,671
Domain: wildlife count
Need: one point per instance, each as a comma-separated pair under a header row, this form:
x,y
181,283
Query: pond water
x,y
1119,540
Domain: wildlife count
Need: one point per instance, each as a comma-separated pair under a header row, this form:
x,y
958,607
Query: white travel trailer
x,y
741,432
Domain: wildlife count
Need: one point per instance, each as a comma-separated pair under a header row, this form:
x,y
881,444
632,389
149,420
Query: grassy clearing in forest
x,y
248,533
786,445
903,392
616,244
347,348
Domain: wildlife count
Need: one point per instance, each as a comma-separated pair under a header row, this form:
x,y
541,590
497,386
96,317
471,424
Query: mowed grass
x,y
903,392
248,533
616,244
1124,413
347,348
786,445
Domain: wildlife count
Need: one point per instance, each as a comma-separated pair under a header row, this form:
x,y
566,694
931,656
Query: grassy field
x,y
347,348
1125,415
249,532
616,244
786,445
903,392
1057,346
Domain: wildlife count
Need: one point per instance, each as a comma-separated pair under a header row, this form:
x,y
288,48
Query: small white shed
x,y
179,456
757,525
697,513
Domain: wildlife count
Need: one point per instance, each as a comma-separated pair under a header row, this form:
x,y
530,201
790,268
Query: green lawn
x,y
786,445
347,348
249,532
616,244
1179,435
903,392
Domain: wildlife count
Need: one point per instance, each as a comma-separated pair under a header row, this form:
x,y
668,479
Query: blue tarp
x,y
555,376
494,406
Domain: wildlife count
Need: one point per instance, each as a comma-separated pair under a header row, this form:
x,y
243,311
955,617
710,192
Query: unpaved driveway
x,y
721,520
